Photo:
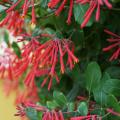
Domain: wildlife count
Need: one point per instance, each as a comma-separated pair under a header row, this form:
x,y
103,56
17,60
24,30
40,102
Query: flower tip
x,y
77,60
105,49
68,22
62,71
33,25
49,5
110,6
81,27
56,13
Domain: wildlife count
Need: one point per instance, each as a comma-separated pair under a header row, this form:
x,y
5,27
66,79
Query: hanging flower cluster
x,y
14,19
42,59
93,5
24,6
14,22
115,40
9,63
54,3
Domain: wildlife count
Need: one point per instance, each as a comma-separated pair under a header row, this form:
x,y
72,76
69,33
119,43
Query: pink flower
x,y
7,64
115,40
54,3
93,5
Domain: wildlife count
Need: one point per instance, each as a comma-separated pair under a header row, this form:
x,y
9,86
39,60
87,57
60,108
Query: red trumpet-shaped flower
x,y
53,115
54,3
25,6
113,112
14,22
27,95
115,40
88,117
27,60
93,5
21,110
14,19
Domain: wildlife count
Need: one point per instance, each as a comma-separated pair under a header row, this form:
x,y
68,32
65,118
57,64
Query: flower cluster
x,y
25,6
14,22
115,40
54,3
42,59
51,114
88,117
93,5
9,63
14,19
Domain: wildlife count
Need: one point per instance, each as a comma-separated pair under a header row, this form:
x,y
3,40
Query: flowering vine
x,y
47,52
115,40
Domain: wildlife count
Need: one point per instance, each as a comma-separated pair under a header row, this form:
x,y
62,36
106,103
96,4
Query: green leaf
x,y
16,49
2,15
52,104
60,98
40,115
6,38
83,108
93,75
71,106
73,92
31,114
115,1
111,86
106,86
100,97
44,3
113,71
2,8
113,103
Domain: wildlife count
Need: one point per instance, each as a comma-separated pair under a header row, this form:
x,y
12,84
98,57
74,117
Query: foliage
x,y
64,63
